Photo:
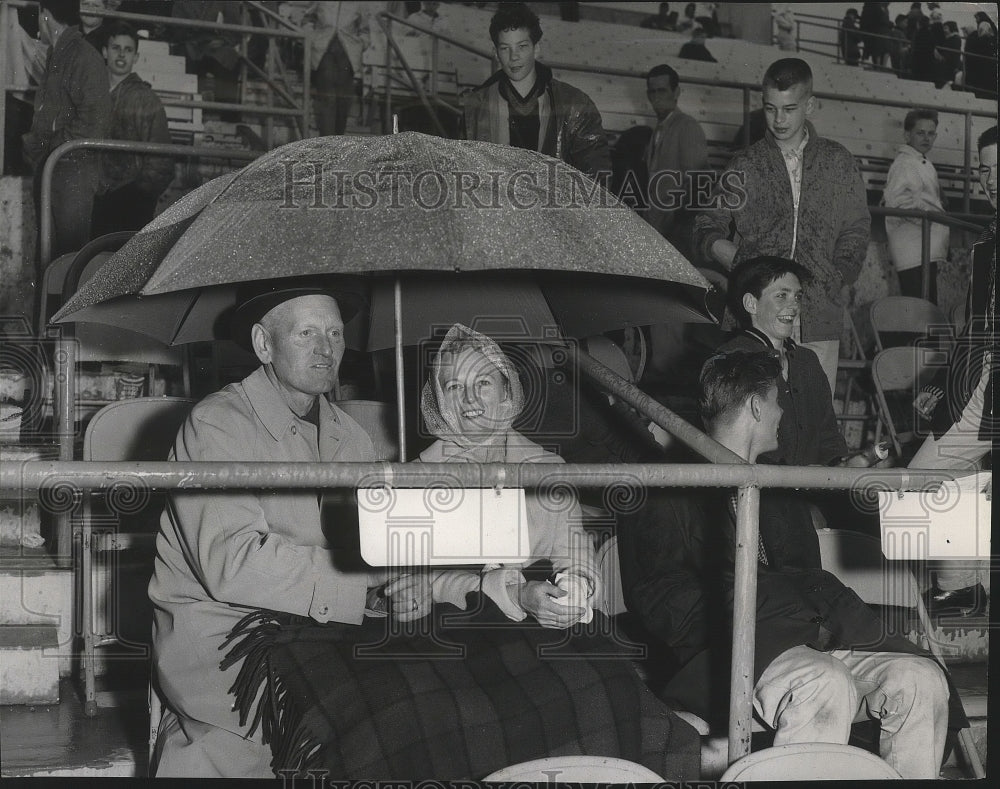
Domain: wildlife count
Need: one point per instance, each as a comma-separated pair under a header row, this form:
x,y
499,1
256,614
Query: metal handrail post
x,y
746,116
925,257
5,39
422,95
967,164
744,622
64,408
387,111
434,66
307,85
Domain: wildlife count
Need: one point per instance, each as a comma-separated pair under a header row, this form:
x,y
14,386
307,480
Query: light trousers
x,y
810,696
187,748
959,449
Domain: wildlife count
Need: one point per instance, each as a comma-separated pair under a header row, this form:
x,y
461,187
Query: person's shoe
x,y
968,601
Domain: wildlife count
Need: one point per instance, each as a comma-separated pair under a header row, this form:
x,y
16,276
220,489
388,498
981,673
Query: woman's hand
x,y
537,598
410,596
925,403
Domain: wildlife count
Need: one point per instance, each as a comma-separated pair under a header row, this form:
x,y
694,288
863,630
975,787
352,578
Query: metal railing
x,y
965,222
829,23
300,113
745,88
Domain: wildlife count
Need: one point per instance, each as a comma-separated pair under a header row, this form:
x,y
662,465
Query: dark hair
x,y
65,12
514,16
919,115
120,28
951,26
784,73
728,379
901,18
664,70
755,274
987,138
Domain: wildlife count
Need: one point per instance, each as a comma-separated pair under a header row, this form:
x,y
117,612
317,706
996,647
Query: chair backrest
x,y
857,560
902,369
809,761
610,354
898,320
611,577
142,428
589,769
379,421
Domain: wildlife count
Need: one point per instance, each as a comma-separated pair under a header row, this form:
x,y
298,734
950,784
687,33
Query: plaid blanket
x,y
455,696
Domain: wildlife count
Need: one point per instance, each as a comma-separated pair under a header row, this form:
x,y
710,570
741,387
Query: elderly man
x,y
524,106
822,657
221,555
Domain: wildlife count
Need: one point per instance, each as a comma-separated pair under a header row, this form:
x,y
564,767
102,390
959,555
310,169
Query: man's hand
x,y
536,597
925,403
724,252
410,596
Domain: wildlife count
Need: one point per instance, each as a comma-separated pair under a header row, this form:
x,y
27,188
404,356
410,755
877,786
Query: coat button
x,y
818,620
295,430
323,610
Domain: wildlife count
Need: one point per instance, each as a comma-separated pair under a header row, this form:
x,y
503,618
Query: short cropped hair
x,y
514,16
987,138
919,115
728,379
120,28
755,274
65,12
784,73
664,70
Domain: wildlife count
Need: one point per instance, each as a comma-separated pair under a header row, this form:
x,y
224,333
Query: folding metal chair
x,y
900,372
812,761
857,560
137,429
899,320
588,769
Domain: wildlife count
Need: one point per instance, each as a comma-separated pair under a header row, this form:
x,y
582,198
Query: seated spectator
x,y
221,554
875,25
469,403
210,51
687,23
664,19
695,49
850,39
765,295
706,16
821,656
912,183
130,183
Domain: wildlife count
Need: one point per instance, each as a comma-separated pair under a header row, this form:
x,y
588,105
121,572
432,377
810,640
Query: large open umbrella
x,y
402,203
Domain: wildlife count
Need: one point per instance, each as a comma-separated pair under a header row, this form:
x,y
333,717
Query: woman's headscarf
x,y
441,420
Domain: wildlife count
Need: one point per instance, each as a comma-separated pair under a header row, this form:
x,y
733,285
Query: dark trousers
x,y
333,81
911,282
127,208
74,185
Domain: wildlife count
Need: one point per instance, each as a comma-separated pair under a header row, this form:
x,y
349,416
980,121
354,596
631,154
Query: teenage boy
x,y
913,183
795,195
130,183
523,106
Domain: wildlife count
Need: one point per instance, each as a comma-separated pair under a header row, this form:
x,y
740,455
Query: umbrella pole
x,y
397,325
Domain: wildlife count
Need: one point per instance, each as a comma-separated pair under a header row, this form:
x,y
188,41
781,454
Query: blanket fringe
x,y
252,639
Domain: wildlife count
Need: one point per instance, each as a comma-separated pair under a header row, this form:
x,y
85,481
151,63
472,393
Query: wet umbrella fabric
x,y
405,202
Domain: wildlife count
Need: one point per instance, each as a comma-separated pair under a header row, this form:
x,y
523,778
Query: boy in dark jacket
x,y
130,183
523,106
822,657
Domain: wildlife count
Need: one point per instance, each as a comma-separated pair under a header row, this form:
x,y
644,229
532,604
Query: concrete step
x,y
29,670
59,740
33,592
